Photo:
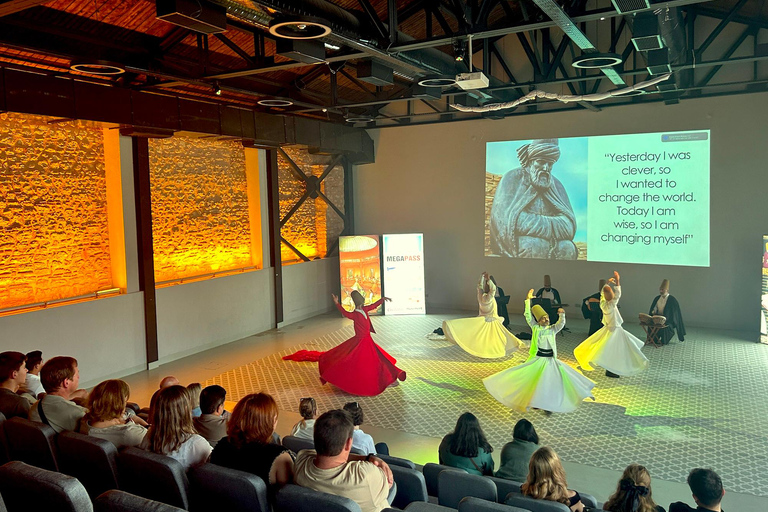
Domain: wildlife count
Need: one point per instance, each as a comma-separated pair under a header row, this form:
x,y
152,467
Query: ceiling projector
x,y
471,81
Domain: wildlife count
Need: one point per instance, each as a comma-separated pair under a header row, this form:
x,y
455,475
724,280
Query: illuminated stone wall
x,y
315,226
54,241
200,221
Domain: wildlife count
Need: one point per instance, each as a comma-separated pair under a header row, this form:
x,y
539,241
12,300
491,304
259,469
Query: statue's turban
x,y
543,149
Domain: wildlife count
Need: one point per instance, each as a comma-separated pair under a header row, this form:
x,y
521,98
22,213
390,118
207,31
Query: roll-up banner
x,y
404,273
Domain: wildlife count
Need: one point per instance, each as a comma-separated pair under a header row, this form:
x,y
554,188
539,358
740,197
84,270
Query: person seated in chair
x,y
212,423
667,306
13,373
361,442
707,490
331,468
32,385
60,377
501,303
305,429
554,298
590,308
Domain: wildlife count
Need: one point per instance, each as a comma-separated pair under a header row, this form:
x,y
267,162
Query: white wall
x,y
106,336
430,179
307,289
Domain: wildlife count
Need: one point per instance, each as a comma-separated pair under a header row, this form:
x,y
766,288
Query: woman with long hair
x,y
305,429
172,432
106,417
546,480
467,447
633,493
247,446
516,455
194,391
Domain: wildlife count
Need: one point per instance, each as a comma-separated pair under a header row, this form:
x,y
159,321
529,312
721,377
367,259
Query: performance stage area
x,y
701,403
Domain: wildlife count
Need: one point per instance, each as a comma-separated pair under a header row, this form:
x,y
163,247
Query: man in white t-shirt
x,y
32,384
366,480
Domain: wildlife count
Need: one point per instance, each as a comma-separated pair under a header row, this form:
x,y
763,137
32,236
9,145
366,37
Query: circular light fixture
x,y
97,67
299,28
596,60
359,119
275,103
438,81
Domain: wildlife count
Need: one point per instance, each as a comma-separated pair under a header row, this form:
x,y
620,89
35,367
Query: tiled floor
x,y
701,403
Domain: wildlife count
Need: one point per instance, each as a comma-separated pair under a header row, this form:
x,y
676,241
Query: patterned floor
x,y
703,402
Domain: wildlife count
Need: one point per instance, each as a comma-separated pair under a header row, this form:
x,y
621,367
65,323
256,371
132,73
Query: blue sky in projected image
x,y
571,170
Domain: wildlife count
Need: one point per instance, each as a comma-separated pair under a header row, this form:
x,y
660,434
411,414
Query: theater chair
x,y
296,444
120,501
504,487
91,460
472,504
418,506
26,488
218,488
31,442
396,461
293,498
526,503
432,472
411,486
153,476
453,486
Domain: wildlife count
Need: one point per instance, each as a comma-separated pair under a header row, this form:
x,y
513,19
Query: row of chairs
x,y
98,466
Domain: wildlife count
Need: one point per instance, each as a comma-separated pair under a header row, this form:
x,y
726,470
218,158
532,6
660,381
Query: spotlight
x,y
216,89
459,50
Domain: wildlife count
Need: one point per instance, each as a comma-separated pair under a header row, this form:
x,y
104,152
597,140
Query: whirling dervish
x,y
612,347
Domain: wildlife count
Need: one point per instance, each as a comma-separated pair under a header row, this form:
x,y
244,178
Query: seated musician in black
x,y
666,305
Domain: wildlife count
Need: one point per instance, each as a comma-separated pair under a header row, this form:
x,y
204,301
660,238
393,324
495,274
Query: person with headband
x,y
359,366
483,335
542,382
531,215
633,493
613,348
667,306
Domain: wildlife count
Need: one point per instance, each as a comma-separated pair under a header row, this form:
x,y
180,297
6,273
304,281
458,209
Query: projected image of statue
x,y
531,215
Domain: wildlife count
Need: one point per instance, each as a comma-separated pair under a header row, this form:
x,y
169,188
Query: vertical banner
x,y
360,269
764,296
404,274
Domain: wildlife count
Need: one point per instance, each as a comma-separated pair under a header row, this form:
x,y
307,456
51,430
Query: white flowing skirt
x,y
482,338
617,351
540,383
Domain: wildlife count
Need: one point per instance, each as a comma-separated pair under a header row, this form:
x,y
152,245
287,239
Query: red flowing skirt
x,y
360,367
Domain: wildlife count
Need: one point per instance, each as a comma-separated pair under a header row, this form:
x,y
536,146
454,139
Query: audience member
x,y
172,433
247,446
546,480
515,456
633,493
547,292
707,490
13,373
361,442
304,429
331,468
106,417
212,422
32,384
467,447
194,398
166,382
60,377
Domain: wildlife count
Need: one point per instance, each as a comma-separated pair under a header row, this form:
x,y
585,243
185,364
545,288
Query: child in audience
x,y
361,442
467,448
305,429
172,432
32,384
546,480
516,455
248,445
194,397
542,382
633,494
612,347
106,415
